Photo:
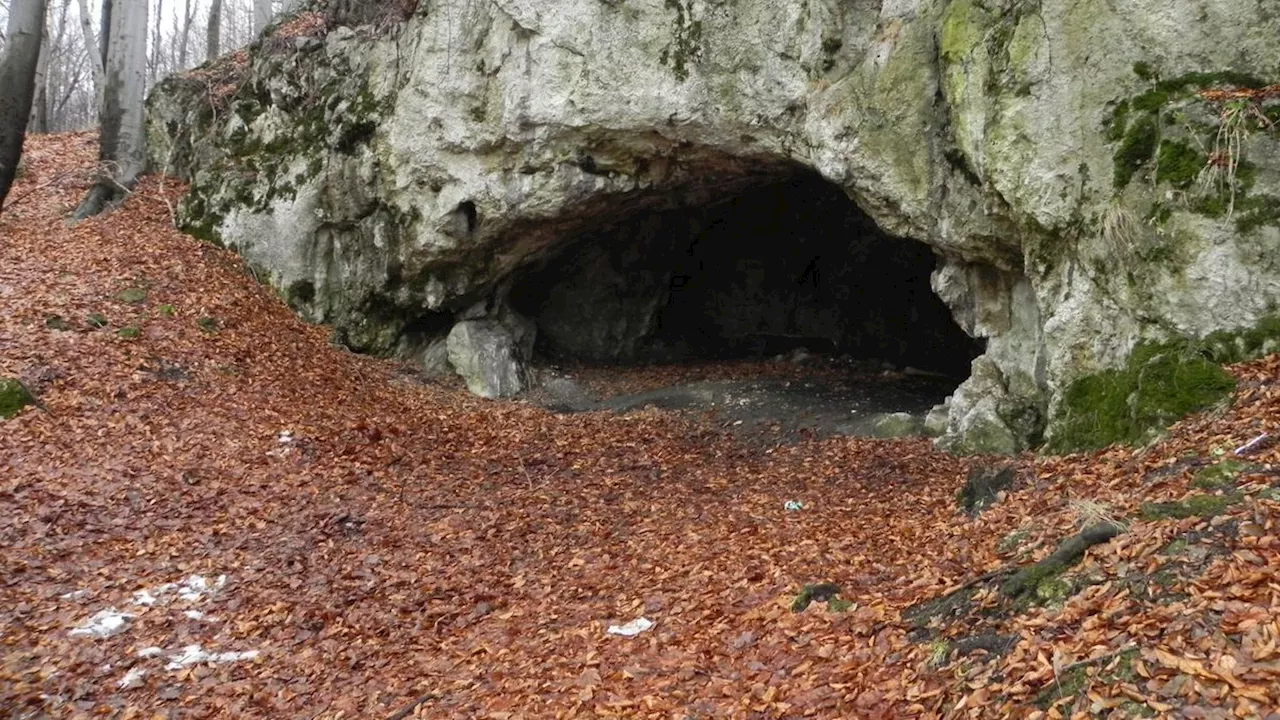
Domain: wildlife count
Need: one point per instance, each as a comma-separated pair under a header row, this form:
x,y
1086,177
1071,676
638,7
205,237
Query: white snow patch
x,y
196,587
104,623
150,652
74,595
194,614
132,679
194,654
192,589
631,629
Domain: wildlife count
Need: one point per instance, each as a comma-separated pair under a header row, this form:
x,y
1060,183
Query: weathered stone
x,y
488,357
391,172
935,423
897,425
983,486
434,358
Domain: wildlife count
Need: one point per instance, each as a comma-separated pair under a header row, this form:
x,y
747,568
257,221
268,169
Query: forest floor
x,y
213,512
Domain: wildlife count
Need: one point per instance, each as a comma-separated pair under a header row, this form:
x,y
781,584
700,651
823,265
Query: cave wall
x,y
1050,152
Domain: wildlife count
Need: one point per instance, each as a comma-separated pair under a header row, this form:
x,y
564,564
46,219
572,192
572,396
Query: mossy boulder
x,y
13,397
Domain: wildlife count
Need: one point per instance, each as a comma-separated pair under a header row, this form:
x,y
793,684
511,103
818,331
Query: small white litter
x,y
104,623
793,505
631,629
286,437
1245,448
132,679
194,654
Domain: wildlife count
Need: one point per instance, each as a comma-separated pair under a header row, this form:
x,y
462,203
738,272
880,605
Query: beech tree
x,y
122,138
261,15
213,32
17,83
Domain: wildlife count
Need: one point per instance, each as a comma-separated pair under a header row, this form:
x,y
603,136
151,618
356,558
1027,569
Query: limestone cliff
x,y
1095,175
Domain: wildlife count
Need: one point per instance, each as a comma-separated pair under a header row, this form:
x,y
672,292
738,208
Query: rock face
x,y
1074,165
488,357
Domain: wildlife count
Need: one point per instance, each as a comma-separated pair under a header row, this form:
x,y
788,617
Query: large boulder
x,y
489,356
1088,187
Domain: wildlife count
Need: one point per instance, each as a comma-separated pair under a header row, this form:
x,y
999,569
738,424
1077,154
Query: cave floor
x,y
769,401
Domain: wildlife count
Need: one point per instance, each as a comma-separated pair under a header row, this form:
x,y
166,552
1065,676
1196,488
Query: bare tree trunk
x,y
122,137
104,32
17,84
94,52
213,34
261,16
154,70
184,42
39,120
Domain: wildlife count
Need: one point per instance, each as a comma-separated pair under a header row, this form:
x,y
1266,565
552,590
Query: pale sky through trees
x,y
67,77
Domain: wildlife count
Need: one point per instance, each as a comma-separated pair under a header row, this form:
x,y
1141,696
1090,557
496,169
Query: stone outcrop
x,y
1073,164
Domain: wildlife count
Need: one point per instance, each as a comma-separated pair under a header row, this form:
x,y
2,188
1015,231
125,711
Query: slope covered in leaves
x,y
340,540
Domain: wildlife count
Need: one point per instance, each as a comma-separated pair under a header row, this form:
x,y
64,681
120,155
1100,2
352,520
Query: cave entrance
x,y
788,265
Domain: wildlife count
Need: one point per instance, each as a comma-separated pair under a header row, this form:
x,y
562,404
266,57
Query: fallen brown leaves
x,y
386,541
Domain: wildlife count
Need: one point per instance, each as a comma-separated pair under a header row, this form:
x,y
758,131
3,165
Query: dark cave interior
x,y
790,264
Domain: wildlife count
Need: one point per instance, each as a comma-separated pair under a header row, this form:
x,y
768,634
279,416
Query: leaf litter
x,y
419,552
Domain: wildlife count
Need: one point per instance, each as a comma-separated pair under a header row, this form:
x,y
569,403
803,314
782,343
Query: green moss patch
x,y
1257,211
1077,680
1136,149
1221,476
1178,164
96,321
1203,505
129,332
1160,384
132,295
13,397
820,592
57,322
1137,123
1233,346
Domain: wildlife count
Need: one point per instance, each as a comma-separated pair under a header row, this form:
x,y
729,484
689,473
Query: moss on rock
x,y
1159,384
1137,148
1220,476
13,397
1178,164
1202,505
1233,346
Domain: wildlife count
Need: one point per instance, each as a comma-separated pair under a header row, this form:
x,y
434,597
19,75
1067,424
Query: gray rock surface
x,y
489,358
897,425
1049,152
